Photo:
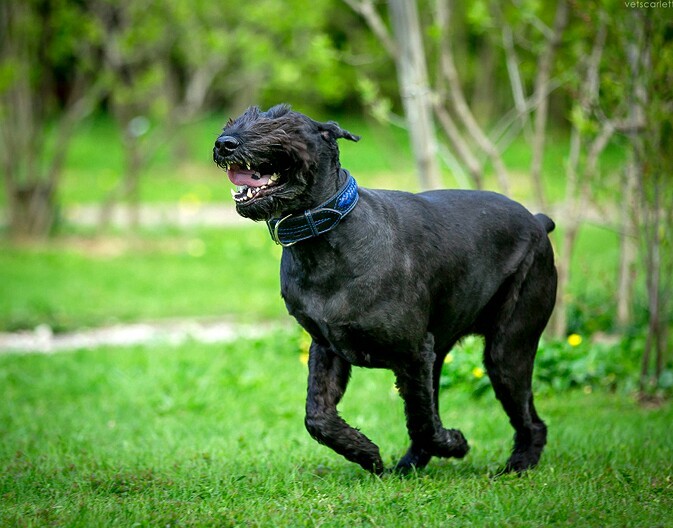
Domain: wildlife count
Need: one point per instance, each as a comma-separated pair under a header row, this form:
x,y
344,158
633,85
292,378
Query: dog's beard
x,y
287,196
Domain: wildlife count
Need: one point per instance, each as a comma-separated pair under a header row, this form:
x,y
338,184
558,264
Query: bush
x,y
574,363
588,364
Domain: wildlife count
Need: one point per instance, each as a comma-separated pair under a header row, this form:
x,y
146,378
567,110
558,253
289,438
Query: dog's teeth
x,y
274,177
249,193
233,193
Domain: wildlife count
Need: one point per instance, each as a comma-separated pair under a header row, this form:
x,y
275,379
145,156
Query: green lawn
x,y
79,280
213,436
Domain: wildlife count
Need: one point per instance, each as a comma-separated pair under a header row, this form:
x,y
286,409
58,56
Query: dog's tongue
x,y
249,178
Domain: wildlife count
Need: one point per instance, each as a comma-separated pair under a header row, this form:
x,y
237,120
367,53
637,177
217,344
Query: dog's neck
x,y
328,187
315,221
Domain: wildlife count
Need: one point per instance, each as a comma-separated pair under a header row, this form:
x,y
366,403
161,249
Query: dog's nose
x,y
227,143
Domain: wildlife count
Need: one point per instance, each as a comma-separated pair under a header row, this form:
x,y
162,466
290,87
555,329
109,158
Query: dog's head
x,y
281,161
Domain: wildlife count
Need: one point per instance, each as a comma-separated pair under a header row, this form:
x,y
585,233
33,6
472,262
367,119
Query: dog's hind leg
x,y
510,368
418,382
327,380
509,355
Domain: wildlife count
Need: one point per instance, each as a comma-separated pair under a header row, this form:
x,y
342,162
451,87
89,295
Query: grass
x,y
203,435
78,280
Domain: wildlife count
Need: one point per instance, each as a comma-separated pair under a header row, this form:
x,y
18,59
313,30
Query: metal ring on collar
x,y
276,239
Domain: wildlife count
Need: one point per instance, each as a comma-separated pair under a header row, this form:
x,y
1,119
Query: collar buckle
x,y
276,238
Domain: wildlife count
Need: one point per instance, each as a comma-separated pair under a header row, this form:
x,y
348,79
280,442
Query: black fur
x,y
397,283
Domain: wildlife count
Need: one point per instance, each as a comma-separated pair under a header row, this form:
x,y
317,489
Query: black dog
x,y
393,280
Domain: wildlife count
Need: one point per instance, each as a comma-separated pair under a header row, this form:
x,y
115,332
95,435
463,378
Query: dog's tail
x,y
546,222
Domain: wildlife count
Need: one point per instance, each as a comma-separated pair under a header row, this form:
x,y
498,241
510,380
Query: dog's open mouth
x,y
252,182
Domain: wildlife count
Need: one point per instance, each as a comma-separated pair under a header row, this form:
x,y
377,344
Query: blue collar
x,y
292,228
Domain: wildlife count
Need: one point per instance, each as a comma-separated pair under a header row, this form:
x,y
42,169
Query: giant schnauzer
x,y
389,279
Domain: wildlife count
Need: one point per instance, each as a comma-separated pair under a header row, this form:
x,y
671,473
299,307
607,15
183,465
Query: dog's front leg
x,y
327,380
428,437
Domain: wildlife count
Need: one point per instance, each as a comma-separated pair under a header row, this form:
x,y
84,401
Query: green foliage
x,y
213,436
581,363
270,55
46,62
575,363
464,368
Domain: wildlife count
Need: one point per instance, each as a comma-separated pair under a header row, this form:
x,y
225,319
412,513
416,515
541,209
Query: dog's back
x,y
460,246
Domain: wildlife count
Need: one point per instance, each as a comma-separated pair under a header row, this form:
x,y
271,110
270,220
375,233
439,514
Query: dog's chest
x,y
364,322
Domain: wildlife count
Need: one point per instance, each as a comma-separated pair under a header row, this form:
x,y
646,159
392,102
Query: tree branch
x,y
461,146
366,9
457,97
544,69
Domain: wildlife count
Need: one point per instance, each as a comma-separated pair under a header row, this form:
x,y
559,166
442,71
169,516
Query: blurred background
x,y
113,212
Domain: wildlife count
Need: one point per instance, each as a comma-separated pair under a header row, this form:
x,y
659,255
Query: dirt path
x,y
42,340
159,214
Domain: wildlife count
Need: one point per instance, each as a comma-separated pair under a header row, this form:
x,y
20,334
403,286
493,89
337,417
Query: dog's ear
x,y
332,131
278,110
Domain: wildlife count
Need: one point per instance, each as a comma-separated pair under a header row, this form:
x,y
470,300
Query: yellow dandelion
x,y
304,342
574,340
478,372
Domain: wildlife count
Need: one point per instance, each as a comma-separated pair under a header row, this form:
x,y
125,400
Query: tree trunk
x,y
32,210
414,89
542,78
558,325
649,376
559,321
128,188
627,249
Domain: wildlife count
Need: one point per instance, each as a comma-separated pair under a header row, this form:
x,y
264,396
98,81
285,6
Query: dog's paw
x,y
521,461
414,459
450,443
372,464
